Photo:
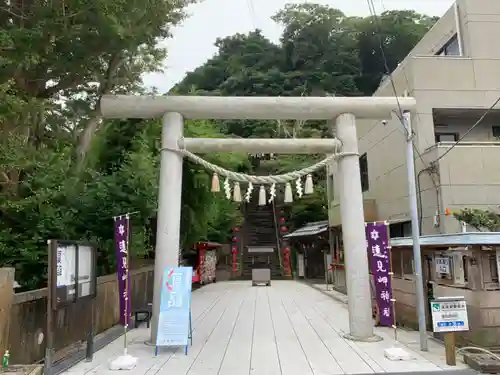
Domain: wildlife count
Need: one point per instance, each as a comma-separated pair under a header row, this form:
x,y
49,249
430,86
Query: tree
x,y
77,49
482,220
318,41
321,52
397,32
65,172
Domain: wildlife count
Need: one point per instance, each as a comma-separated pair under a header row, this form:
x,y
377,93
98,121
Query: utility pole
x,y
415,232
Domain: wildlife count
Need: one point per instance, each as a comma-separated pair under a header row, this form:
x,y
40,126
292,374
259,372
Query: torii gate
x,y
174,109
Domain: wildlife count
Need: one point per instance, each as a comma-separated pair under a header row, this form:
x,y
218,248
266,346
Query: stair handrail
x,y
277,236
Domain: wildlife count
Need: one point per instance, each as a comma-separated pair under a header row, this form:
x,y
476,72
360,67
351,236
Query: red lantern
x,y
234,239
236,229
234,250
234,262
284,229
282,220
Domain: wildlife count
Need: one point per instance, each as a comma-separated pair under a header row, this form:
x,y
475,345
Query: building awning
x,y
452,239
310,229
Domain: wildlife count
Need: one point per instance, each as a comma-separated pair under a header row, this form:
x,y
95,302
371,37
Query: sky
x,y
193,41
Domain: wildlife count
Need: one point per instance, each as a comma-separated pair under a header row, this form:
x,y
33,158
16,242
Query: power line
x,y
388,72
374,15
486,112
251,10
412,195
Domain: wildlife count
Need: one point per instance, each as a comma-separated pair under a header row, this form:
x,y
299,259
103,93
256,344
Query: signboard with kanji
x,y
174,326
442,265
449,314
73,271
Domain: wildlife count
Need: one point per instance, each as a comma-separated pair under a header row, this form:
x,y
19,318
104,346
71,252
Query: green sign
x,y
436,307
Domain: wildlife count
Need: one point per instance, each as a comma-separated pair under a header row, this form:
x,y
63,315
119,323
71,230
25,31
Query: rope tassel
x,y
236,192
215,183
263,180
288,193
308,188
262,196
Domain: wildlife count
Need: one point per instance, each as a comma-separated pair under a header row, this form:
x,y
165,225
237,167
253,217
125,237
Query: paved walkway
x,y
288,328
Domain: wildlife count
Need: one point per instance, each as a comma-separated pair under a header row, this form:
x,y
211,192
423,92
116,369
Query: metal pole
x,y
417,256
49,350
325,261
126,319
89,352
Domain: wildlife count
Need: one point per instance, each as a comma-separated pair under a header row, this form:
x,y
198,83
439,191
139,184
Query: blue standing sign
x,y
174,325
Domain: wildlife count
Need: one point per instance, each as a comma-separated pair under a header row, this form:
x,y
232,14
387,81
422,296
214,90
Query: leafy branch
x,y
482,220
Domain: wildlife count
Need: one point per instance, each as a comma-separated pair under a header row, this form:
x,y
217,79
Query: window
x,y
451,48
446,137
496,131
400,229
363,170
490,271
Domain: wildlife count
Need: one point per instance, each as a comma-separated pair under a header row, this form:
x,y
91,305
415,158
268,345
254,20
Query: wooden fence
x,y
27,336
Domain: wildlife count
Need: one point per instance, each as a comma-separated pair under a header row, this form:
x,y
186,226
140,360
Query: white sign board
x,y
442,265
85,270
449,315
66,267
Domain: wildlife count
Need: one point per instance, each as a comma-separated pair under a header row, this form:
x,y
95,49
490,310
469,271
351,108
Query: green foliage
x,y
57,60
482,220
321,52
64,173
398,32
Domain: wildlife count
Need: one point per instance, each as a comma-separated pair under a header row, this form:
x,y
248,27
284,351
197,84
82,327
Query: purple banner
x,y
377,239
121,248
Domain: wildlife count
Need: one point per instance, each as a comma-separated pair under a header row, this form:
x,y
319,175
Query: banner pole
x,y
125,361
125,289
127,313
391,274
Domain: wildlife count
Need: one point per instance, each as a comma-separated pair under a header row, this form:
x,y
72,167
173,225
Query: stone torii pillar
x,y
174,109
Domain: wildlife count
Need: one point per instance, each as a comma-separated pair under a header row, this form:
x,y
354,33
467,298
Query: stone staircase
x,y
260,247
